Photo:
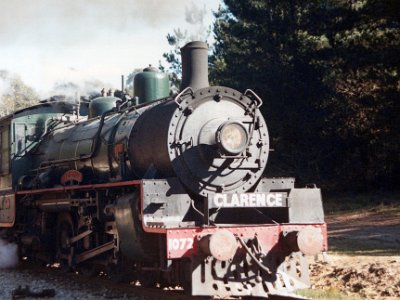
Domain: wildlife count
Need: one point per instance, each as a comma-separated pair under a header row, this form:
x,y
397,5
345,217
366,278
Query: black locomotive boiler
x,y
169,191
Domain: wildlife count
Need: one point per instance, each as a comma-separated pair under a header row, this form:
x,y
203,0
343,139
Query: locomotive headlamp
x,y
232,138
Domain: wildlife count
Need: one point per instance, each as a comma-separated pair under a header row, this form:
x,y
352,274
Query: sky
x,y
46,42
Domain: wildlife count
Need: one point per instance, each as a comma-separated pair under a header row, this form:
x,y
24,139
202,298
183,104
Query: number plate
x,y
175,244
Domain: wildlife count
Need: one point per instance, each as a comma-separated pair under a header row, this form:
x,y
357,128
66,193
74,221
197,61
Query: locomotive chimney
x,y
194,65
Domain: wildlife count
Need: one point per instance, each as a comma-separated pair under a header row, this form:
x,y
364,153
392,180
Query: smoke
x,y
68,22
195,16
87,89
52,40
67,89
8,255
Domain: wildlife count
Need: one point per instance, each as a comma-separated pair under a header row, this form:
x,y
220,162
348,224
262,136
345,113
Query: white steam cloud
x,y
195,16
80,21
75,41
8,255
70,89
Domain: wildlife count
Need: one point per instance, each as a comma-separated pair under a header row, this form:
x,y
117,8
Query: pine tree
x,y
328,73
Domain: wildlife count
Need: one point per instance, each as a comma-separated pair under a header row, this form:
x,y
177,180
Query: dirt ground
x,y
364,256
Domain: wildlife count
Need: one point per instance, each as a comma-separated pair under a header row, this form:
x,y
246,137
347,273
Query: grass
x,y
330,294
383,204
360,249
340,203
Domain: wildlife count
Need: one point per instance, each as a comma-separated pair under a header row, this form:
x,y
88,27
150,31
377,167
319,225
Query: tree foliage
x,y
15,94
328,72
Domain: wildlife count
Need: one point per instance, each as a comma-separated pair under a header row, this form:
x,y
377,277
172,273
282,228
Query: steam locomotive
x,y
166,191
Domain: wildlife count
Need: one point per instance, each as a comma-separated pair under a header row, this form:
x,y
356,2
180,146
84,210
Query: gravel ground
x,y
370,277
74,286
367,258
67,286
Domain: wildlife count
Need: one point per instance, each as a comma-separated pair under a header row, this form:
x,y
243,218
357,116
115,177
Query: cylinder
x,y
194,65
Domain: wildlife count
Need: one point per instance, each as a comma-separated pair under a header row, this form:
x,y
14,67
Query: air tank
x,y
151,84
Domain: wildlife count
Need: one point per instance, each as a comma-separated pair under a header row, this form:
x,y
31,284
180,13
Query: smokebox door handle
x,y
178,100
255,97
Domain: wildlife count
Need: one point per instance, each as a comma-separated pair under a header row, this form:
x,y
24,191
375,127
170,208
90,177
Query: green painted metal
x,y
100,105
28,128
150,85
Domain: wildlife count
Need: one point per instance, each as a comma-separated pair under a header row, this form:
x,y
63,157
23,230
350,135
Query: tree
x,y
258,47
362,73
15,94
328,72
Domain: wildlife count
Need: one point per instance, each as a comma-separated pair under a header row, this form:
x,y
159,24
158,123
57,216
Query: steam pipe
x,y
194,65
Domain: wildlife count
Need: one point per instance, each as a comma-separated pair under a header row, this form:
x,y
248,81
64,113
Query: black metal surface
x,y
166,204
128,227
193,150
179,140
268,184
